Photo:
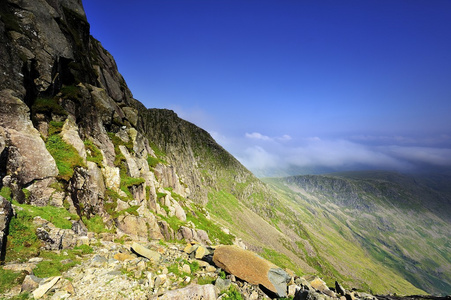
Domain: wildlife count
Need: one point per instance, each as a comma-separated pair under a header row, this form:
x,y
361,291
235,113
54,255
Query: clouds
x,y
270,156
426,155
259,136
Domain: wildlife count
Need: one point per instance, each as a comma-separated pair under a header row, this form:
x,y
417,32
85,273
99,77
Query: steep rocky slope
x,y
399,220
75,143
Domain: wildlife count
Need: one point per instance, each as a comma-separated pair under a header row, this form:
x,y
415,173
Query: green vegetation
x,y
56,215
95,224
215,232
280,260
132,210
9,279
233,294
177,266
196,215
117,141
66,157
5,192
48,106
206,280
55,127
158,152
220,204
22,240
126,180
54,264
71,92
154,161
93,153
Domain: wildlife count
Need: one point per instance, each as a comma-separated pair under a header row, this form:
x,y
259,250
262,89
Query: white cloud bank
x,y
260,152
261,137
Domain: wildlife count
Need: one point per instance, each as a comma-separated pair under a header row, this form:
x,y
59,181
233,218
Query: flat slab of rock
x,y
147,253
192,292
42,289
252,268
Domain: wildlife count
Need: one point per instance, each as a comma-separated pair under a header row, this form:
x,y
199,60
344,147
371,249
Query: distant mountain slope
x,y
400,221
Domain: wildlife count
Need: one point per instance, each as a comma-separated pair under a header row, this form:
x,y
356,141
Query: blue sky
x,y
310,84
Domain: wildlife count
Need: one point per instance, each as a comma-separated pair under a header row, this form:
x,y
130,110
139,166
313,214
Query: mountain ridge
x,y
401,217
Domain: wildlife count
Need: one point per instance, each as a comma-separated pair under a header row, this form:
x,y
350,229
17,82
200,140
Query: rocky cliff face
x,y
73,136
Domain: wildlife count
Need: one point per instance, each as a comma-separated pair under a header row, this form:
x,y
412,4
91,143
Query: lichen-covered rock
x,y
40,192
71,136
143,251
27,157
309,295
252,268
112,177
166,230
133,226
87,188
54,238
167,177
132,167
30,283
192,292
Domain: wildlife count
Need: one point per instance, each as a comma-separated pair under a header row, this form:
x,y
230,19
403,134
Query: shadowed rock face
x,y
250,267
6,213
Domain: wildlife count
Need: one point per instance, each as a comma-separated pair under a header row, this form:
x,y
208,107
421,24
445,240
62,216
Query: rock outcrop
x,y
248,266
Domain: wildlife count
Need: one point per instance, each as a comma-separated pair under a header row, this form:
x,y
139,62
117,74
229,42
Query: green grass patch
x,y
158,152
5,192
55,127
118,142
48,106
119,161
206,280
58,216
8,279
85,249
22,240
56,263
93,153
220,204
65,155
161,195
132,210
154,161
127,182
95,224
173,222
71,92
215,232
233,294
279,259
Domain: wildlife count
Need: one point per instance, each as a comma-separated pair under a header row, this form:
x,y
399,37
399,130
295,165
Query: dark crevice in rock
x,y
61,75
30,73
3,162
